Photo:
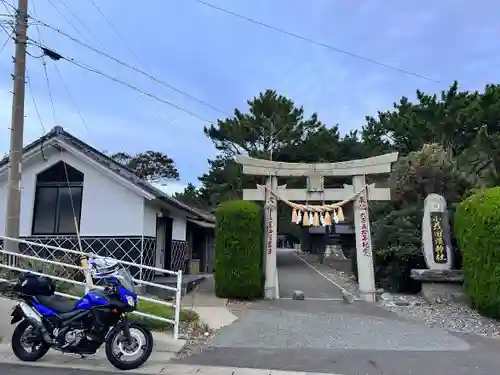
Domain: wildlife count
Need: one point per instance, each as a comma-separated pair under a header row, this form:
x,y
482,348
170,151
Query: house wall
x,y
179,228
108,208
115,220
151,212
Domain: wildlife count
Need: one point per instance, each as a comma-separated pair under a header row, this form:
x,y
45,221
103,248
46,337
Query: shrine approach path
x,y
295,273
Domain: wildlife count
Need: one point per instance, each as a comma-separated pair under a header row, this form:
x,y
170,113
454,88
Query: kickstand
x,y
82,356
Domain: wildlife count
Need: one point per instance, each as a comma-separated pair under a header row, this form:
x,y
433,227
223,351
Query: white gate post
x,y
364,256
271,218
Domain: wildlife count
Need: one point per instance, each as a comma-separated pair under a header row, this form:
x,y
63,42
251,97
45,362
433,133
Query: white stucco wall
x,y
151,211
179,228
108,207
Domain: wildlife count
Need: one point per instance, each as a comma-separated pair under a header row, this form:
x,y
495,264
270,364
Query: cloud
x,y
226,61
171,187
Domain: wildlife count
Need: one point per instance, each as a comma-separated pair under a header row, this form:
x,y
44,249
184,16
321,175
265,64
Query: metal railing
x,y
176,304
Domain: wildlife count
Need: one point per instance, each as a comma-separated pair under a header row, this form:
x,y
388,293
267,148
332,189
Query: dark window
x,y
58,200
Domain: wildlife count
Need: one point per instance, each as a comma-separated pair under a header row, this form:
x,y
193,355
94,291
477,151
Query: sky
x,y
225,61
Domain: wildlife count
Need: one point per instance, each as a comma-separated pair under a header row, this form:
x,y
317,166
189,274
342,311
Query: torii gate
x,y
315,191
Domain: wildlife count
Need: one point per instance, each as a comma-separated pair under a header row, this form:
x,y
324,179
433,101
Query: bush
x,y
238,250
397,250
477,228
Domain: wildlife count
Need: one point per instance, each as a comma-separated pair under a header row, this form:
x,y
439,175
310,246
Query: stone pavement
x,y
211,309
328,336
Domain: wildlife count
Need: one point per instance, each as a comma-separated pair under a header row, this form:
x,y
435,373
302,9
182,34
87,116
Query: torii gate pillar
x,y
357,169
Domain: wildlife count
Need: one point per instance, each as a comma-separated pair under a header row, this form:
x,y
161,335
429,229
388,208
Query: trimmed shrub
x,y
238,250
477,229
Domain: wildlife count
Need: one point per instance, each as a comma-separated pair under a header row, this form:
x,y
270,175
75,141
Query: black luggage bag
x,y
33,285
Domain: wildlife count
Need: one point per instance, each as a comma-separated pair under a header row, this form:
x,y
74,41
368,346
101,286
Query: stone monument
x,y
439,282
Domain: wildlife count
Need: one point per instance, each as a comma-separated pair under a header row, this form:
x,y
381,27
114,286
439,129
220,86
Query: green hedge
x,y
238,250
477,229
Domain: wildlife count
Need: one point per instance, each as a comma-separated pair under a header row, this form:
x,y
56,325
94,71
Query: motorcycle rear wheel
x,y
18,348
117,347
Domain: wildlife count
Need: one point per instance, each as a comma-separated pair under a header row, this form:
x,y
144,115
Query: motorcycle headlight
x,y
130,300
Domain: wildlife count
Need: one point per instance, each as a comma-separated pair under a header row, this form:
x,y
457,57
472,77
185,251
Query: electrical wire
x,y
47,81
63,81
56,56
67,88
30,91
114,79
137,70
71,98
9,37
143,72
6,4
64,17
143,98
315,42
34,101
75,16
75,220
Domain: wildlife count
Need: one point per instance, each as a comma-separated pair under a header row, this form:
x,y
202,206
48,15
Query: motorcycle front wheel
x,y
27,343
129,356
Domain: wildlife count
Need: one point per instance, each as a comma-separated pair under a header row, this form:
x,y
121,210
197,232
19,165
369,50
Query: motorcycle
x,y
100,317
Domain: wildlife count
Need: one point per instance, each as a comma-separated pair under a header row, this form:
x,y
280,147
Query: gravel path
x,y
456,317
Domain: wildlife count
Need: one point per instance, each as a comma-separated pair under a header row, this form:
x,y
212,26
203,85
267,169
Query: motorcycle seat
x,y
57,303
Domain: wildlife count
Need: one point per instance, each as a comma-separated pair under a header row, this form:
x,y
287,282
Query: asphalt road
x,y
7,369
294,274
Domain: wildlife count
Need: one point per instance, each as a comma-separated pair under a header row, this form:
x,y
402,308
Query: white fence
x,y
176,304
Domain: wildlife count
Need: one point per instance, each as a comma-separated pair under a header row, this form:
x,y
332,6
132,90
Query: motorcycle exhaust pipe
x,y
41,328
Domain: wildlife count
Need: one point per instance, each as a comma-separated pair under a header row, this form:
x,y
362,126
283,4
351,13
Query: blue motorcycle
x,y
48,321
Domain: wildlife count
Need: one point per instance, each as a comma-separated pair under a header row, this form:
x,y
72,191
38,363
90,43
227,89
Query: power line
x,y
56,56
160,115
63,81
32,94
312,41
47,81
34,101
64,17
107,55
71,97
6,4
162,83
81,23
99,42
9,37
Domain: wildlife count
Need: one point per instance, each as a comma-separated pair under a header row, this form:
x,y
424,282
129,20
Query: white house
x,y
117,213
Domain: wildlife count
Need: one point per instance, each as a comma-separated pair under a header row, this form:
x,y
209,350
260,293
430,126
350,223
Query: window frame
x,y
57,186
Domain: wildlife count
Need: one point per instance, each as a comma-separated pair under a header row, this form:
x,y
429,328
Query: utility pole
x,y
13,211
